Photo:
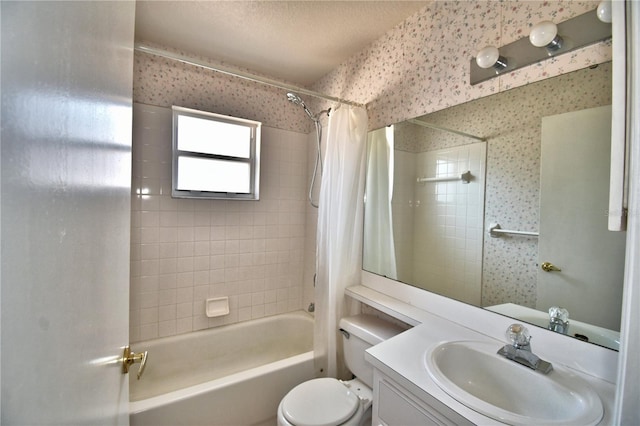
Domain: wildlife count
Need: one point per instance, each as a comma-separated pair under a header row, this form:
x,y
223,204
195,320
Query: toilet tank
x,y
360,332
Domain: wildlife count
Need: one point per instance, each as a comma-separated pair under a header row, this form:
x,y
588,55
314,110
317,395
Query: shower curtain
x,y
339,233
379,253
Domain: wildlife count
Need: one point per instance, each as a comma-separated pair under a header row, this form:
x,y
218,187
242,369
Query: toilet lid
x,y
319,402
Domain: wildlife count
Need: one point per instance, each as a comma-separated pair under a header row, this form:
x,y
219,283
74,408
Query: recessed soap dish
x,y
217,307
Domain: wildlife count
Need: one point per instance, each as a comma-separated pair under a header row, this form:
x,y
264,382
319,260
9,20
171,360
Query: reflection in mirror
x,y
433,234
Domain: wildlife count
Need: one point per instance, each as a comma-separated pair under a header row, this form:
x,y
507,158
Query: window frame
x,y
253,161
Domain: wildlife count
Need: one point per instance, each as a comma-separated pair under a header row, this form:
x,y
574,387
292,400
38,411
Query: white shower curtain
x,y
339,234
379,253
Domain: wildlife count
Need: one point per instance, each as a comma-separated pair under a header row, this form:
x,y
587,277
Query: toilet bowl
x,y
332,402
326,402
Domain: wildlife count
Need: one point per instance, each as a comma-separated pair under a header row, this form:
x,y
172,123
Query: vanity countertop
x,y
402,358
415,306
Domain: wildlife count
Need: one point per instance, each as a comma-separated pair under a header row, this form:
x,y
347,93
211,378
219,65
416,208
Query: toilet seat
x,y
320,402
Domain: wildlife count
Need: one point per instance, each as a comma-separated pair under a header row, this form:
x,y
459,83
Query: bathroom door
x,y
574,197
65,219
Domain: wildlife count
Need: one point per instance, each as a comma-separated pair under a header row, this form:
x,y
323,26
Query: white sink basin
x,y
475,375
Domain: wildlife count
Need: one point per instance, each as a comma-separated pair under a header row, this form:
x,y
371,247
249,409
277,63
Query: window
x,y
215,156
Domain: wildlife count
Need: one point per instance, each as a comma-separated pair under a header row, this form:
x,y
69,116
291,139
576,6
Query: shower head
x,y
292,97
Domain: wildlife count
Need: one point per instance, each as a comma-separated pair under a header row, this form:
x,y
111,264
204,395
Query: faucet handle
x,y
518,335
557,313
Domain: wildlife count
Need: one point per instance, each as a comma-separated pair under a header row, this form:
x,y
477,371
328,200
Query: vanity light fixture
x,y
489,57
545,34
604,11
546,39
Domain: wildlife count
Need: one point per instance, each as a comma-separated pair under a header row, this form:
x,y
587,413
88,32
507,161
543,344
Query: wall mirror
x,y
527,160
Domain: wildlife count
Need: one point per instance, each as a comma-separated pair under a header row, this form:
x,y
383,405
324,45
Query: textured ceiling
x,y
297,41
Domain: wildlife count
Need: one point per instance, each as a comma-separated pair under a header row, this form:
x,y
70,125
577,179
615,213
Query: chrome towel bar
x,y
495,231
464,177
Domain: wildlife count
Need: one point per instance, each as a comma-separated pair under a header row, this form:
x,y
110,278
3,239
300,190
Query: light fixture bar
x,y
580,31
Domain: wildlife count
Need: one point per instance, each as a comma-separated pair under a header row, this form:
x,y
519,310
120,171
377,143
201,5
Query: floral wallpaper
x,y
422,65
165,82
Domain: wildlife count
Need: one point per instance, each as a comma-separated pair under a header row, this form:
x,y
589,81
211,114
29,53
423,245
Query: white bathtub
x,y
231,375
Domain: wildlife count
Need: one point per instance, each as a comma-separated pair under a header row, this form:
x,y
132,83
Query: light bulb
x,y
604,11
489,57
545,34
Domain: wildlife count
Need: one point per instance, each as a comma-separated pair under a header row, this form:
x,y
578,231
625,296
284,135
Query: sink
x,y
475,375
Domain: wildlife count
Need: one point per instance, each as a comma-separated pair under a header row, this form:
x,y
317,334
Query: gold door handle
x,y
129,358
549,267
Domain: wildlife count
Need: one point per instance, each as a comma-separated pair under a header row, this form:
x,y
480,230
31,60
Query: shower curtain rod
x,y
444,129
241,74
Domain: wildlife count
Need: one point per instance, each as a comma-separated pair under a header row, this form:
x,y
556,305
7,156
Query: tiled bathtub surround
x,y
281,227
184,251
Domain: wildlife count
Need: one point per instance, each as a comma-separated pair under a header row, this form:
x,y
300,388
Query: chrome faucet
x,y
558,320
519,350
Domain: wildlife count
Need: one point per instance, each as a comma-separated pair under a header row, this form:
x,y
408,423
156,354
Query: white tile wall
x,y
184,251
449,262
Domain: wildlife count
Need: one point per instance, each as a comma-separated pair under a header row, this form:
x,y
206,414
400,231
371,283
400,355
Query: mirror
x,y
426,226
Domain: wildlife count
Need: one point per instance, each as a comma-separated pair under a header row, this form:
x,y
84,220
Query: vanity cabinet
x,y
395,405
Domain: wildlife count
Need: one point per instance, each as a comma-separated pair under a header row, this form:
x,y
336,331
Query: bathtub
x,y
230,375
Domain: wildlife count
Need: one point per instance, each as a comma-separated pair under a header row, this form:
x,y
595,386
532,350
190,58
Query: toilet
x,y
332,402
